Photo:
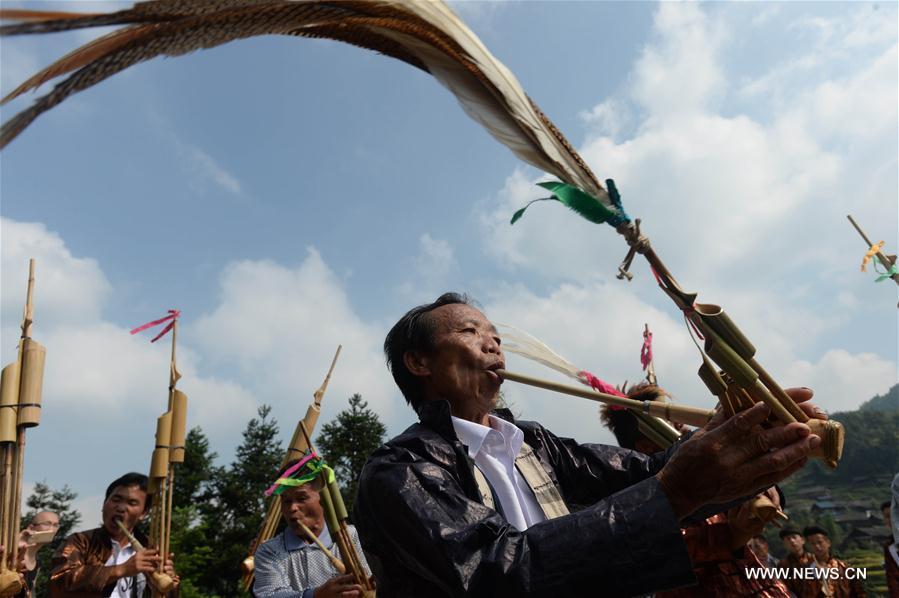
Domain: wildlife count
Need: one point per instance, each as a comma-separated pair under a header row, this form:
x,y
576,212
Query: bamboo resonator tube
x,y
21,385
830,432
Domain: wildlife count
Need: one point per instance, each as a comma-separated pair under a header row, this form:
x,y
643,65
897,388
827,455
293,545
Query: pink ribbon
x,y
603,386
646,350
173,315
292,470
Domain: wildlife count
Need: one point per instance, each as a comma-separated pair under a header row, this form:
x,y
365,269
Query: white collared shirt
x,y
121,554
494,450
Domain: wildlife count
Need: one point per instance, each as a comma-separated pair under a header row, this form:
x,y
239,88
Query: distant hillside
x,y
872,445
887,402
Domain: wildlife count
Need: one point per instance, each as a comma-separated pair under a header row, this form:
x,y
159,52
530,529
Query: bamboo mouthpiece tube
x,y
690,416
163,582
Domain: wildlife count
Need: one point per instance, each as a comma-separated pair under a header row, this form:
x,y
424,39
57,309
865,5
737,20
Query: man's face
x,y
760,547
44,521
301,504
125,504
460,368
820,545
795,544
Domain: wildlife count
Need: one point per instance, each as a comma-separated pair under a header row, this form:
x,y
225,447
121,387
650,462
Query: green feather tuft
x,y
583,203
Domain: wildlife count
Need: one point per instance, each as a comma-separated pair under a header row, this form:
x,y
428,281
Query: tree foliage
x,y
347,441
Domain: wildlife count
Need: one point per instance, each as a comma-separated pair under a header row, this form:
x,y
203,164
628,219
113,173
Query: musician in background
x,y
471,502
835,583
718,545
292,565
758,544
101,561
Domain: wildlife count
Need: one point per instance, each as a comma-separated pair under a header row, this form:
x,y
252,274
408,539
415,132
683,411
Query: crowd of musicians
x,y
471,502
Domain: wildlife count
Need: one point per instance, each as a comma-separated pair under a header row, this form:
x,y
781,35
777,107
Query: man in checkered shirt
x,y
290,565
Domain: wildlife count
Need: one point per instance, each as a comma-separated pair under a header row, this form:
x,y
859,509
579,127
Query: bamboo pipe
x,y
690,416
880,255
296,448
162,581
334,503
338,564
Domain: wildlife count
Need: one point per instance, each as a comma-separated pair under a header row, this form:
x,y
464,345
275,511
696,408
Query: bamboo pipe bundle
x,y
295,450
162,581
728,347
20,402
336,517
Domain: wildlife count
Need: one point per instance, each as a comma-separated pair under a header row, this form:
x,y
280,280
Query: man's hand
x,y
144,561
737,457
342,586
169,569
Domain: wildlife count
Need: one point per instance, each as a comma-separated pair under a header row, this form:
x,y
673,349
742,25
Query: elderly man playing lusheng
x,y
292,564
470,502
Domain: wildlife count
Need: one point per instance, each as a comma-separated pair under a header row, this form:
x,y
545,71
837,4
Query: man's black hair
x,y
788,531
814,529
415,332
131,479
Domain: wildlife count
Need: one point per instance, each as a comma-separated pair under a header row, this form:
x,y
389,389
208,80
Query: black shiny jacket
x,y
420,515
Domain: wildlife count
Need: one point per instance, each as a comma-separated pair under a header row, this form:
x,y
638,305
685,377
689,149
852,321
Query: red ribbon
x,y
173,315
603,386
646,350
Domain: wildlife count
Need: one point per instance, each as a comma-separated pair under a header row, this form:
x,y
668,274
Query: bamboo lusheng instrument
x,y
20,409
528,346
691,416
296,449
831,433
429,36
160,580
336,517
171,428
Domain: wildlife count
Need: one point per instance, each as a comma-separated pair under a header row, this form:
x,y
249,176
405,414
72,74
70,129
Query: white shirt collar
x,y
500,432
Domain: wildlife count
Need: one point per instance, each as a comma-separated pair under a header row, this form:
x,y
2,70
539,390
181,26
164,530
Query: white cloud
x,y
679,74
432,270
67,288
204,170
842,380
277,327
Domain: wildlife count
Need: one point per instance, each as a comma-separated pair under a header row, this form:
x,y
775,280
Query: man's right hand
x,y
342,586
144,561
737,458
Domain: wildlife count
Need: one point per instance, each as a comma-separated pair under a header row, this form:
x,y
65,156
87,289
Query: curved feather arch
x,y
427,35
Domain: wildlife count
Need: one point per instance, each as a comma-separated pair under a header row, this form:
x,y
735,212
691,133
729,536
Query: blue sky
x,y
289,195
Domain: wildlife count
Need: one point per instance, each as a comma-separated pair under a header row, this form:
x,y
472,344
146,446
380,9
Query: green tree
x,y
192,477
347,441
192,542
233,509
44,498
